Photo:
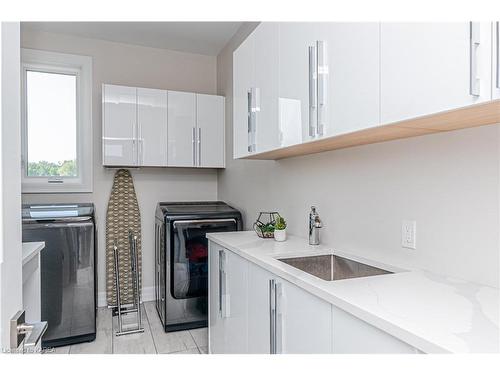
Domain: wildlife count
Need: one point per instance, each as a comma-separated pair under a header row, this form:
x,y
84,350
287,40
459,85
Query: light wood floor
x,y
154,340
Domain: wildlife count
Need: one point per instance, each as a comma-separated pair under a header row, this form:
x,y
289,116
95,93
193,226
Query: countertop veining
x,y
434,313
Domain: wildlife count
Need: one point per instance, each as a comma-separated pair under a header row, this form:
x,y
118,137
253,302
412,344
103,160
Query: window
x,y
56,117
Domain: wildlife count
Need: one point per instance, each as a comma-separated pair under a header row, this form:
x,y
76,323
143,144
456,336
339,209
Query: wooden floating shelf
x,y
487,113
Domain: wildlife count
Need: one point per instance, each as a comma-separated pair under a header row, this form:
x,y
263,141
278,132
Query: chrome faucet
x,y
314,225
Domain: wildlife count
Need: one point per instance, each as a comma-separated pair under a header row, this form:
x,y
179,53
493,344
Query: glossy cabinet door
x,y
227,301
329,79
210,131
235,302
216,342
152,127
496,61
294,103
302,323
243,80
181,147
354,336
259,322
351,70
306,322
267,64
119,136
432,67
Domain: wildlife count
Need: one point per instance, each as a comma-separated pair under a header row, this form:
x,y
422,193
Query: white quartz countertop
x,y
433,313
31,249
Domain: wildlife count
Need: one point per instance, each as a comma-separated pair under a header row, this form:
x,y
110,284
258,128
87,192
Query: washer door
x,y
189,257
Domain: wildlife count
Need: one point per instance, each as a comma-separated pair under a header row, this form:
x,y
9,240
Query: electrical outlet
x,y
409,234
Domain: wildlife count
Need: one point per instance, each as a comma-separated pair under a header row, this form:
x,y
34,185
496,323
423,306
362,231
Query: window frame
x,y
81,68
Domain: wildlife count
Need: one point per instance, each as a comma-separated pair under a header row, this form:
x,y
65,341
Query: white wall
x,y
448,183
145,67
11,294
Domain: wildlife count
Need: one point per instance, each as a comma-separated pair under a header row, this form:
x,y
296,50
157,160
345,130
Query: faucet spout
x,y
315,224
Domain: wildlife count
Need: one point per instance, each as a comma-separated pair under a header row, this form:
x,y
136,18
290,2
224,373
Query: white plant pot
x,y
280,235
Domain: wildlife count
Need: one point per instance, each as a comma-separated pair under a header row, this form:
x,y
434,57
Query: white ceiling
x,y
206,38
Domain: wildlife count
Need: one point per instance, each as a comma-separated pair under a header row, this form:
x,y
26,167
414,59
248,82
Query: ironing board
x,y
122,215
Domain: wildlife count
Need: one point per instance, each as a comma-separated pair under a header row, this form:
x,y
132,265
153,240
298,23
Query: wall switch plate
x,y
409,234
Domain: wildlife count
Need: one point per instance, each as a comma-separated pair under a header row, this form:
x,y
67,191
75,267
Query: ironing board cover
x,y
122,215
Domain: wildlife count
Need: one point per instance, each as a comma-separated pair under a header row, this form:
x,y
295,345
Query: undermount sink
x,y
332,267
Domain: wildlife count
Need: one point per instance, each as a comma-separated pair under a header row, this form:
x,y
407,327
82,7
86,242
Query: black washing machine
x,y
181,259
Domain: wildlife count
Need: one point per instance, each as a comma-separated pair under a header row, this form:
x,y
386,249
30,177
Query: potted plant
x,y
280,229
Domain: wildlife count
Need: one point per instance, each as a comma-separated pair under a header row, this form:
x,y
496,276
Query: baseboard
x,y
148,294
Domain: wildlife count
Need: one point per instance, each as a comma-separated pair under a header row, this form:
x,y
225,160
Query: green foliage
x,y
48,169
267,228
280,223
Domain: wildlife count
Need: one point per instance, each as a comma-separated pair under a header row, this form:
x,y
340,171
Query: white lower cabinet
x,y
253,311
227,301
354,336
283,318
307,322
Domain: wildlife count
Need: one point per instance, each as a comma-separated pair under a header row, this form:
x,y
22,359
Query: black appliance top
x,y
195,207
56,211
214,208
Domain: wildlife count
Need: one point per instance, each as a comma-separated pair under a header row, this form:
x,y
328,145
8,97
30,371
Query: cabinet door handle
x,y
223,297
313,92
193,143
278,293
199,147
322,74
474,42
272,316
140,145
275,317
498,55
253,108
249,122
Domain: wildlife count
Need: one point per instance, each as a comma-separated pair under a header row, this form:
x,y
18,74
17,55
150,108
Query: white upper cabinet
x,y
210,131
432,67
181,129
266,86
328,79
496,60
158,128
350,70
152,127
119,125
255,92
243,78
297,90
